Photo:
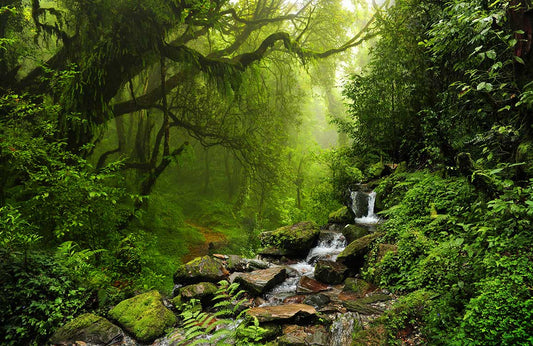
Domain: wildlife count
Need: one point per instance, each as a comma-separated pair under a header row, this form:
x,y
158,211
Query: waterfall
x,y
360,202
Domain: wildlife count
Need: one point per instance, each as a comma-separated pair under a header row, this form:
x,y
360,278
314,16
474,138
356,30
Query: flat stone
x,y
308,285
318,301
88,328
260,281
362,308
281,312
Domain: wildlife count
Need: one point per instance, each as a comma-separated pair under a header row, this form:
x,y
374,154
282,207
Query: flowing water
x,y
370,218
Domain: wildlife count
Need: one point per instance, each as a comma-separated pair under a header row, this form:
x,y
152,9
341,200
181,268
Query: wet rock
x,y
295,240
88,328
308,285
343,215
330,272
297,299
144,316
318,301
282,313
354,232
358,286
353,255
260,281
294,335
201,269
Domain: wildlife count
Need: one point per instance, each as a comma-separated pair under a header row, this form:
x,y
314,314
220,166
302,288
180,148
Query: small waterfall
x,y
362,202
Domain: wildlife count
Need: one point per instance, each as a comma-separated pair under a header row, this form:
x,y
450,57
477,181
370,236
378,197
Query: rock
x,y
200,269
353,232
357,286
318,301
254,264
330,272
297,299
384,248
343,215
235,263
362,308
275,251
375,334
295,240
88,328
294,335
353,255
282,313
375,298
308,285
260,281
144,316
203,291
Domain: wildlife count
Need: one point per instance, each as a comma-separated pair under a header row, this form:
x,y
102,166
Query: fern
x,y
203,328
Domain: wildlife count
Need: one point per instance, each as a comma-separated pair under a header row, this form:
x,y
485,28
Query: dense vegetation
x,y
130,129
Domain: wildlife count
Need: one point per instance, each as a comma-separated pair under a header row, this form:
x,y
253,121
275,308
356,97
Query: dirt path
x,y
215,238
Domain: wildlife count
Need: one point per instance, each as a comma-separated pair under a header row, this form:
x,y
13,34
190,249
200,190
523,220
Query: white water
x,y
371,218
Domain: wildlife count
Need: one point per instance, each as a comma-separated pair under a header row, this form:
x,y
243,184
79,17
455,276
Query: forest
x,y
266,172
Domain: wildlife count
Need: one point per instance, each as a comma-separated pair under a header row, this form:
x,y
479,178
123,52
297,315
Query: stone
x,y
201,269
255,264
375,298
318,301
88,328
330,272
308,285
295,240
275,251
343,215
282,313
203,291
353,256
235,263
358,286
360,307
260,281
354,232
144,316
294,335
297,299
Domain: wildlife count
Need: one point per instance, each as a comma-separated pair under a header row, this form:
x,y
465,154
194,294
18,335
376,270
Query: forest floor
x,y
212,239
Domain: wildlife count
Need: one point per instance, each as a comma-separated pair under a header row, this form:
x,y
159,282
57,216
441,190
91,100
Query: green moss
x,y
356,286
144,316
88,328
200,269
297,238
343,215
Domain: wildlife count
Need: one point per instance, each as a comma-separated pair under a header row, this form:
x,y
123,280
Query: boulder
x,y
330,272
295,240
282,313
144,316
88,328
294,335
235,263
308,285
353,255
343,215
354,232
318,301
260,281
357,286
201,269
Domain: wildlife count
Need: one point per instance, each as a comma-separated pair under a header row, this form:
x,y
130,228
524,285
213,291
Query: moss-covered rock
x,y
201,269
358,286
353,255
360,307
88,328
203,291
343,215
354,232
297,239
144,316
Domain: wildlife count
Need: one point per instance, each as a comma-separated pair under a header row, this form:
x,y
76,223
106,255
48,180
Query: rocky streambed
x,y
303,288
